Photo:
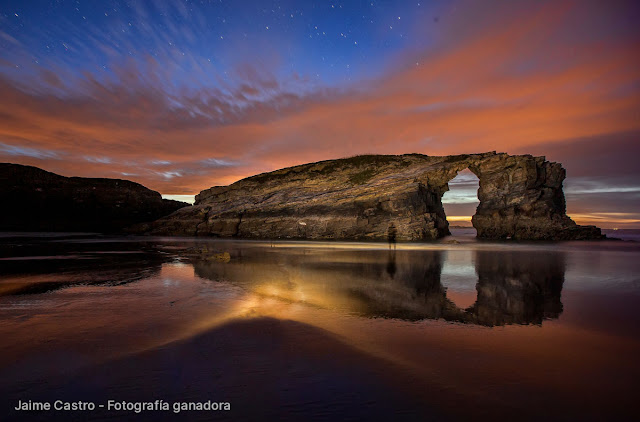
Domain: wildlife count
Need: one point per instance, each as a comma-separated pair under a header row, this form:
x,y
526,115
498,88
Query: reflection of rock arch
x,y
522,287
514,287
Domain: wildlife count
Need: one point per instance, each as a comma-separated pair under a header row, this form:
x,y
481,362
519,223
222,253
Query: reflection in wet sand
x,y
326,330
518,288
512,287
39,267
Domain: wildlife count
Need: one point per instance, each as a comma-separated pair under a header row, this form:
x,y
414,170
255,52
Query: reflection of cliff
x,y
513,287
47,266
413,292
518,287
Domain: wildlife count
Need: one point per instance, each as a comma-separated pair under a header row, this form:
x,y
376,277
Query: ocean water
x,y
447,330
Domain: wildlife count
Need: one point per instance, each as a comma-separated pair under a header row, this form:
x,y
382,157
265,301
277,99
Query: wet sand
x,y
429,332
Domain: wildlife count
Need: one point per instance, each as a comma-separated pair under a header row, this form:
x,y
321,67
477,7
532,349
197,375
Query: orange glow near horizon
x,y
608,220
459,218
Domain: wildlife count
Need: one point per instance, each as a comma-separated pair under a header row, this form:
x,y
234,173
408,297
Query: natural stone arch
x,y
358,198
520,196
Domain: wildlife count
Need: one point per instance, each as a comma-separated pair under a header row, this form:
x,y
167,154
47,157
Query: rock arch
x,y
521,197
358,198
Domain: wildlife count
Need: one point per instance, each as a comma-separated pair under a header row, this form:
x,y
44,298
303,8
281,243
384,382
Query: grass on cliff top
x,y
362,177
331,166
456,158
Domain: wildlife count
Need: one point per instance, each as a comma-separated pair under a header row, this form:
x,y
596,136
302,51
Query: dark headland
x,y
361,197
37,200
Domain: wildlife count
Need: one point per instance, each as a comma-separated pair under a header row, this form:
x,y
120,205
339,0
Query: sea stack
x,y
359,198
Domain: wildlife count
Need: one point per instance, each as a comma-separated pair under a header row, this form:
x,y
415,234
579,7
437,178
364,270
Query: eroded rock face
x,y
37,200
359,198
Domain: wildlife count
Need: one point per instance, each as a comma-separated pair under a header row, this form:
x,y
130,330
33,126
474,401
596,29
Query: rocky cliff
x,y
37,200
520,196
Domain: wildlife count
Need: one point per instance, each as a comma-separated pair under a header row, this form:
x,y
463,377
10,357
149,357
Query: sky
x,y
184,95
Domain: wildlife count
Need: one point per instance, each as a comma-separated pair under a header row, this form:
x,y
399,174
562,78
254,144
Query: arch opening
x,y
460,202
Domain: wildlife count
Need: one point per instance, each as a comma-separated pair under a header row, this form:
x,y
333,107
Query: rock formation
x,y
37,200
359,198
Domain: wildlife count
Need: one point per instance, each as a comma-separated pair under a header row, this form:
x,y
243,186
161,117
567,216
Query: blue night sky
x,y
183,95
202,44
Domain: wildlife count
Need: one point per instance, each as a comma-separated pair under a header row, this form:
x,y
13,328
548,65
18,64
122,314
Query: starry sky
x,y
184,95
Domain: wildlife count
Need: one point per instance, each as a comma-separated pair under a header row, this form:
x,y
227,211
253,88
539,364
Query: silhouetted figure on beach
x,y
391,235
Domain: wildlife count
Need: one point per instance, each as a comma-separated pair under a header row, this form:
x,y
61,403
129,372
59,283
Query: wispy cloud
x,y
160,162
98,160
21,151
215,162
170,174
